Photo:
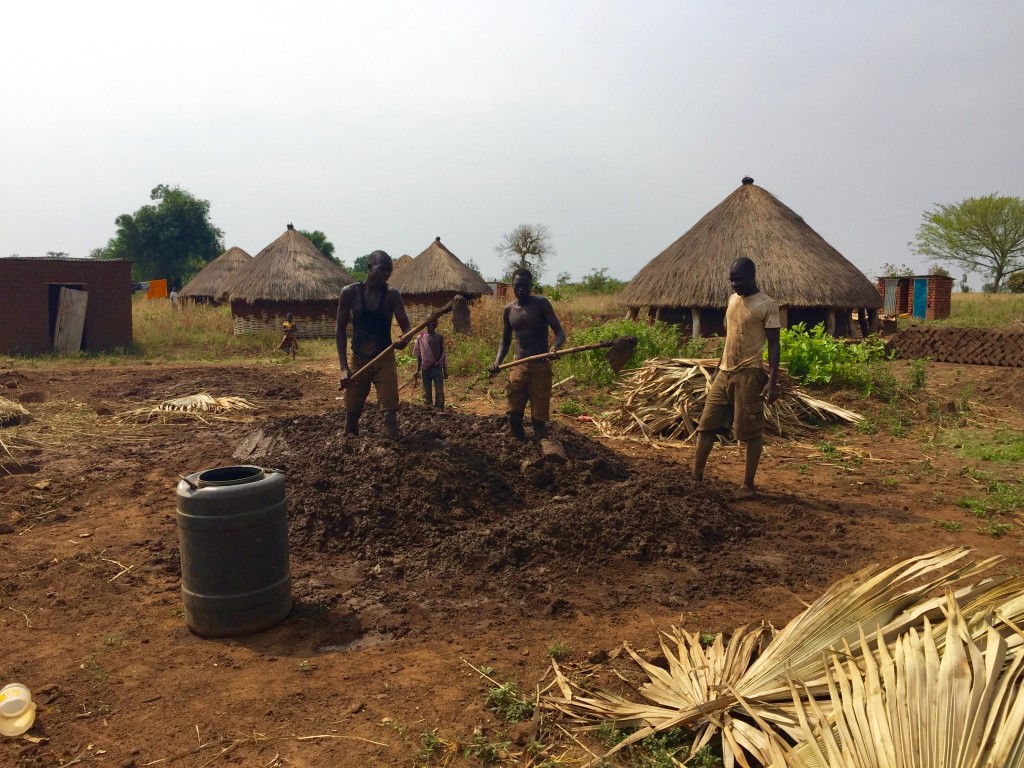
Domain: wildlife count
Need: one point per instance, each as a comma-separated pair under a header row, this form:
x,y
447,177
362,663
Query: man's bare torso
x,y
530,326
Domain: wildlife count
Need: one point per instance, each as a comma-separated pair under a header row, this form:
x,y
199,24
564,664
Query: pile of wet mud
x,y
457,494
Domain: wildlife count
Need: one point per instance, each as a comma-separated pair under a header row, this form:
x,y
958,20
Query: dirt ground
x,y
411,559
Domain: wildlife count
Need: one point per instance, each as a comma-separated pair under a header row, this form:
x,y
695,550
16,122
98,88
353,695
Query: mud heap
x,y
457,494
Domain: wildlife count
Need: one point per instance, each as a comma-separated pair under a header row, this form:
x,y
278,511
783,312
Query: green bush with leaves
x,y
653,340
815,357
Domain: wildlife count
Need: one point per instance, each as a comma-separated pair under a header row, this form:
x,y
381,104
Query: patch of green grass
x,y
112,641
431,743
891,482
1004,446
801,469
997,529
570,408
559,650
707,639
829,451
608,734
506,702
483,749
949,525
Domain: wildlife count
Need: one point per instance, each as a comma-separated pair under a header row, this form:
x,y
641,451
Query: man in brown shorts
x,y
741,387
370,306
529,317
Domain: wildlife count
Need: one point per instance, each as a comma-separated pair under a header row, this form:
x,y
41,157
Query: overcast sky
x,y
617,124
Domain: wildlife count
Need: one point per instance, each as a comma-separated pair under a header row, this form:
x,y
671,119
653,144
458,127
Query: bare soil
x,y
410,559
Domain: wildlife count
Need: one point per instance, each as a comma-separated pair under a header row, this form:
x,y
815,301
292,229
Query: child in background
x,y
290,341
432,364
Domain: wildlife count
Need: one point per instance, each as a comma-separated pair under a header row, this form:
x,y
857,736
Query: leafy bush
x,y
815,357
653,340
1015,282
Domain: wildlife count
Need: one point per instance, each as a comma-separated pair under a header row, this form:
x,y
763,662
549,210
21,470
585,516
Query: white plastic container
x,y
17,711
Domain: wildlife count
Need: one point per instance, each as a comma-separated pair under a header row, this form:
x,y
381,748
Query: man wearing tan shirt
x,y
741,387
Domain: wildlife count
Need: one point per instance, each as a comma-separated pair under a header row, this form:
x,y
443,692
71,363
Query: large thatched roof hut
x,y
433,279
210,286
289,275
688,283
400,263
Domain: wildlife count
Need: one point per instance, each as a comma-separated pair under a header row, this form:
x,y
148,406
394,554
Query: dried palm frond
x,y
664,399
744,692
941,697
197,406
12,413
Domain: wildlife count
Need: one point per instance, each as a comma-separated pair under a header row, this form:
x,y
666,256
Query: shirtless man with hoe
x,y
529,317
370,306
741,387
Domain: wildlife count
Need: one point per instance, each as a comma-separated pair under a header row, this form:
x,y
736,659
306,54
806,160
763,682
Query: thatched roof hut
x,y
402,261
289,275
210,286
433,279
688,282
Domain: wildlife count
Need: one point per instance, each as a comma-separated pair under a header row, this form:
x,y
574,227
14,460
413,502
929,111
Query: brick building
x,y
30,297
926,297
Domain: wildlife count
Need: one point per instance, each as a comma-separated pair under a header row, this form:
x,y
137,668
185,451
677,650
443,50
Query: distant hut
x,y
211,285
289,275
687,283
433,279
402,261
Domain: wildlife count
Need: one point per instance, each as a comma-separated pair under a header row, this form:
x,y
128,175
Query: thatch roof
x,y
290,269
795,265
213,280
437,270
402,261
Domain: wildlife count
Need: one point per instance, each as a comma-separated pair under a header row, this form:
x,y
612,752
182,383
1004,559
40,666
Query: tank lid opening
x,y
230,475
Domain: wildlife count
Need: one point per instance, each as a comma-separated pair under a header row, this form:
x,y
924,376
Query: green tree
x,y
473,266
598,281
528,246
563,279
891,270
982,234
325,246
172,238
1016,282
359,268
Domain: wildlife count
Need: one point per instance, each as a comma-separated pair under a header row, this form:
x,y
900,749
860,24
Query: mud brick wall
x,y
940,297
25,311
968,346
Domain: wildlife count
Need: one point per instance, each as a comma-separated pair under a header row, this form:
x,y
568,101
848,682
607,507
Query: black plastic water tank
x,y
233,531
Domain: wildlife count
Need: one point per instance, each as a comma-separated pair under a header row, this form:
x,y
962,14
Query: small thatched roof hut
x,y
289,275
688,282
433,279
402,261
210,286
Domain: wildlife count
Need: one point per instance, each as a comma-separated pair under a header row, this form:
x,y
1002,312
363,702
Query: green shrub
x,y
815,357
653,340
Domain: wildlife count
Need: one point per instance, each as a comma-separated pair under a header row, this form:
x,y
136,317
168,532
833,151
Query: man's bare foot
x,y
744,492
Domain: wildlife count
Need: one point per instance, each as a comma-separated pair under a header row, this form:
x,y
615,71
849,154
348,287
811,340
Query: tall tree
x,y
528,246
980,234
172,238
325,246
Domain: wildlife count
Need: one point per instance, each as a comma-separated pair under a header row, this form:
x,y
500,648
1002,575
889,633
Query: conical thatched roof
x,y
437,270
401,262
795,265
290,269
213,280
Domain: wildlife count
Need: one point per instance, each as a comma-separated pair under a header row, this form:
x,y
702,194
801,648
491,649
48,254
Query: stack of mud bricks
x,y
28,292
966,346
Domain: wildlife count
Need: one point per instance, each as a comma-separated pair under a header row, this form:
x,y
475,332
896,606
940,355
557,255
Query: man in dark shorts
x,y
741,387
529,317
370,306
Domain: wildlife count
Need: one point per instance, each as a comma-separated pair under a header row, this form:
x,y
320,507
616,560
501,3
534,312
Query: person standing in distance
x,y
741,387
370,306
529,317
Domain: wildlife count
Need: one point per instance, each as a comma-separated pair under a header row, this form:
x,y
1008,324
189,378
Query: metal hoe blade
x,y
620,351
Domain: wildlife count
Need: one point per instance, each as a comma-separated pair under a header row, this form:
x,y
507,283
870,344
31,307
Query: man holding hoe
x,y
370,306
529,317
740,387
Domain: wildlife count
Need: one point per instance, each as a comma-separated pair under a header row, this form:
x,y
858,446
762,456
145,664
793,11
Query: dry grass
x,y
986,310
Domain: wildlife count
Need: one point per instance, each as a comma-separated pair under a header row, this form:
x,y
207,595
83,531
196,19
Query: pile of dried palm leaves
x,y
664,398
917,664
12,413
202,407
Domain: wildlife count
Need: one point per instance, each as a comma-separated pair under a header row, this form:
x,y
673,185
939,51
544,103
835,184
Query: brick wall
x,y
25,311
940,296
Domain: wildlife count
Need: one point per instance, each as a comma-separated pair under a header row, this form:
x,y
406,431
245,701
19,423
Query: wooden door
x,y
67,335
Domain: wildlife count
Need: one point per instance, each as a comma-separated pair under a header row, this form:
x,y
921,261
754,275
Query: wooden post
x,y
695,314
784,317
632,312
873,320
830,322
